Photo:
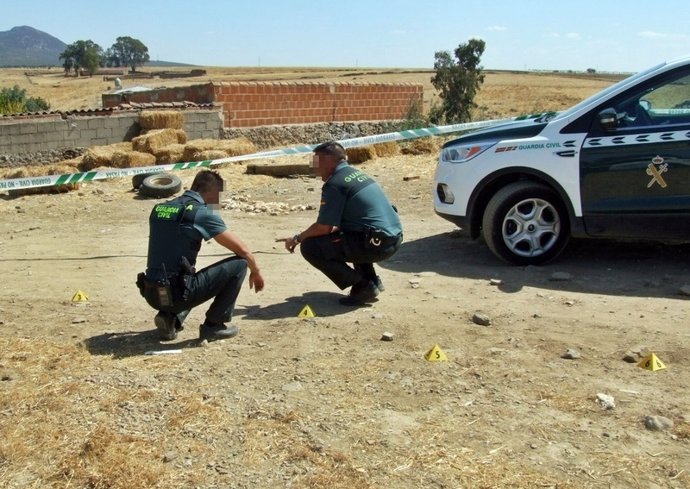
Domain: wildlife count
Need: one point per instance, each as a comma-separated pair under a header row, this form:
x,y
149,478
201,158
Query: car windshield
x,y
605,92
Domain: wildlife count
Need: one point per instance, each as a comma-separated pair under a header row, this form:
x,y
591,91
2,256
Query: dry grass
x,y
503,93
48,383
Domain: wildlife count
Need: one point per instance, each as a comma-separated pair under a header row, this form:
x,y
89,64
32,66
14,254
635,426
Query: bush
x,y
14,101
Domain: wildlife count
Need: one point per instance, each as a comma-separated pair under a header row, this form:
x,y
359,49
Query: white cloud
x,y
497,28
652,35
665,36
573,36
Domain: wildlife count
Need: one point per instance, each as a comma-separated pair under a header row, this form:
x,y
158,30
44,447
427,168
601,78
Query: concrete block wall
x,y
251,104
199,94
30,134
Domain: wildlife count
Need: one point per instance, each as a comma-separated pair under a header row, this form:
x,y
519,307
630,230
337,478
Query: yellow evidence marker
x,y
436,355
652,363
306,312
80,296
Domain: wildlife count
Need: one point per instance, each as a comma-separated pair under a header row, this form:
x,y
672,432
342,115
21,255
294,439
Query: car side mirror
x,y
646,104
608,119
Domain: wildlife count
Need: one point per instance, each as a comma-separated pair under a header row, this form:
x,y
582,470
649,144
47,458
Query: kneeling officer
x,y
171,284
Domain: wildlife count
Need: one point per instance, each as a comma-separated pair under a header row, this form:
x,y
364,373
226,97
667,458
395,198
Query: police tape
x,y
104,174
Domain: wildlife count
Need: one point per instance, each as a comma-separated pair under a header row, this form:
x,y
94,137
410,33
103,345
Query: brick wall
x,y
247,104
251,104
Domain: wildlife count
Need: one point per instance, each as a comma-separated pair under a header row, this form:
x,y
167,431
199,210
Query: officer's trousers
x,y
331,254
221,282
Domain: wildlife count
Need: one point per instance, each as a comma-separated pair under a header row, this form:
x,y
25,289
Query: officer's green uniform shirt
x,y
352,200
176,229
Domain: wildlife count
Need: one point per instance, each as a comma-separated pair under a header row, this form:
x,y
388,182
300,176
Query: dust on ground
x,y
323,402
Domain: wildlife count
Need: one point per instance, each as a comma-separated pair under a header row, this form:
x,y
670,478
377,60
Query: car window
x,y
666,102
672,98
631,80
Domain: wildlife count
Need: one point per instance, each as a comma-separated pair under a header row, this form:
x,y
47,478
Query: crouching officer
x,y
171,284
356,224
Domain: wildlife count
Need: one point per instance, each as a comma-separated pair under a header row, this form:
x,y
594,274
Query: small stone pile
x,y
242,203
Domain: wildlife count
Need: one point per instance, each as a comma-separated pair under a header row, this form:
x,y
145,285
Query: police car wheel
x,y
525,223
137,179
160,185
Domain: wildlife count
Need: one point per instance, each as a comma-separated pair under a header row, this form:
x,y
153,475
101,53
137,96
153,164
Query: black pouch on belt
x,y
164,293
157,294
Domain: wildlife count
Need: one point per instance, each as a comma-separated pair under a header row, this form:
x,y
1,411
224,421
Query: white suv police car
x,y
616,165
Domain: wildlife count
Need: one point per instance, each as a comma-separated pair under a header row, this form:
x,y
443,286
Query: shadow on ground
x,y
134,343
595,266
324,304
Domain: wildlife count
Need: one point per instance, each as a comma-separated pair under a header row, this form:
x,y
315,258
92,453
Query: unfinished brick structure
x,y
251,104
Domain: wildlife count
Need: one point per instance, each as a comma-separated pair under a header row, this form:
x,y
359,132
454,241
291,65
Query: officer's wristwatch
x,y
296,239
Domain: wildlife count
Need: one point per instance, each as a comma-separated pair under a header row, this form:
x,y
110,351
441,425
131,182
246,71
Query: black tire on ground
x,y
525,223
137,179
160,185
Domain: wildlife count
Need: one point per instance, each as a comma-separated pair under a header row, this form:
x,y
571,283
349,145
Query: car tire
x,y
137,179
525,223
160,185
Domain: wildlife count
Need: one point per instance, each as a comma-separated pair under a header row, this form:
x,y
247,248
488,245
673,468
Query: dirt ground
x,y
323,402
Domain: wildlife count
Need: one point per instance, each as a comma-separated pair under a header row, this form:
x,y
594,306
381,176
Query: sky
x,y
606,35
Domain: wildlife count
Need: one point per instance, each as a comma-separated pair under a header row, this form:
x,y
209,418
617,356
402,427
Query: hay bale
x,y
169,154
132,159
40,170
102,155
389,148
161,119
195,149
421,146
196,146
238,146
210,154
361,154
156,139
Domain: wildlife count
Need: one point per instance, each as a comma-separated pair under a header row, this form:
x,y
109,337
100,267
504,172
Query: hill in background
x,y
26,46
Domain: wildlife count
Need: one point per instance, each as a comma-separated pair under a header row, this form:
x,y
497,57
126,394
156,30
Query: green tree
x,y
130,52
82,54
110,59
13,101
458,82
